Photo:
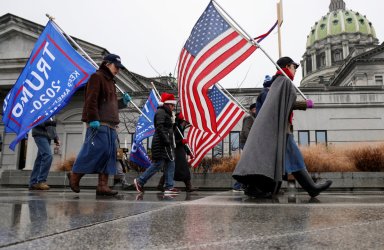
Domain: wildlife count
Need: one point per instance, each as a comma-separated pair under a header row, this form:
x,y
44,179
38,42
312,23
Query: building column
x,y
328,56
313,56
345,49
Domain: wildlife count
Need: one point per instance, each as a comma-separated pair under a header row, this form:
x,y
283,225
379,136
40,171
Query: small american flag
x,y
227,115
213,49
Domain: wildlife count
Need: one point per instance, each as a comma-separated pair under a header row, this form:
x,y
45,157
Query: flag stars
x,y
210,25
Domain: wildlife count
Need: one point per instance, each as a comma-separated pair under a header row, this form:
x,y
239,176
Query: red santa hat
x,y
168,98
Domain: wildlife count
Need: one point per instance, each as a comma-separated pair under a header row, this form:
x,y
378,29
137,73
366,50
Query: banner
x,y
144,129
139,155
52,74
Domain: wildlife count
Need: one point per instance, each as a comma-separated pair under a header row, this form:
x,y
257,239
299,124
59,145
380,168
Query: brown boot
x,y
74,181
188,186
160,187
103,188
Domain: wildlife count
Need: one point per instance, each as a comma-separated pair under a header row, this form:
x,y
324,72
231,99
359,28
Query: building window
x,y
303,137
321,137
321,60
349,20
234,142
337,56
335,22
379,79
309,64
217,151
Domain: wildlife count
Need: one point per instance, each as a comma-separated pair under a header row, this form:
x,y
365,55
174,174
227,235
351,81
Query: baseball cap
x,y
115,59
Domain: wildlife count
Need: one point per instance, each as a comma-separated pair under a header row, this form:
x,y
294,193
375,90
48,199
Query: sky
x,y
149,34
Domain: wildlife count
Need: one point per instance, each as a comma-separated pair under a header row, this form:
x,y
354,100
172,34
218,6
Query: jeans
x,y
43,160
169,172
294,160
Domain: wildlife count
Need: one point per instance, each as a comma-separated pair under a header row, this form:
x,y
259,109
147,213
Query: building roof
x,y
25,33
340,21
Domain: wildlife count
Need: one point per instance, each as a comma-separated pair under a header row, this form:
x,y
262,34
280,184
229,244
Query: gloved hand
x,y
126,98
309,103
184,141
94,124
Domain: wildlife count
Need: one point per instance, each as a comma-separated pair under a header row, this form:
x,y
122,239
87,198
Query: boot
x,y
306,182
74,181
188,186
160,187
102,187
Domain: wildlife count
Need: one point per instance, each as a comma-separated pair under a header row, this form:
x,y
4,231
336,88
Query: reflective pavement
x,y
60,219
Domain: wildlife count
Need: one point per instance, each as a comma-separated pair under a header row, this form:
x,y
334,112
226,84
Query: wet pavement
x,y
60,219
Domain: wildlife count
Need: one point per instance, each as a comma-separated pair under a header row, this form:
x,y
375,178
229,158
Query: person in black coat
x,y
163,146
182,172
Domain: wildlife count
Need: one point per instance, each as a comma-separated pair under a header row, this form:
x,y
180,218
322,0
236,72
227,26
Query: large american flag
x,y
226,115
213,49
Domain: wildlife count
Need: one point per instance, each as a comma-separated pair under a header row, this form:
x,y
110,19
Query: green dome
x,y
338,22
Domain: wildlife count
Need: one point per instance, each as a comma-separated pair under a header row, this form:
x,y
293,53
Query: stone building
x,y
335,38
17,39
343,71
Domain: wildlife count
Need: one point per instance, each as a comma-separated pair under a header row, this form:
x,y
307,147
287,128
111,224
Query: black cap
x,y
284,61
115,59
253,105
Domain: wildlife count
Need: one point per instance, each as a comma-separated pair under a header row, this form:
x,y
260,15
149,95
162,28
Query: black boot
x,y
306,182
188,186
160,186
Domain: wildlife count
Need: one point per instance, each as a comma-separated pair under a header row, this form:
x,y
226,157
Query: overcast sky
x,y
149,34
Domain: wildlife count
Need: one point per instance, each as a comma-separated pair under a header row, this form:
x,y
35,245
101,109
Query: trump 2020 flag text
x,y
53,72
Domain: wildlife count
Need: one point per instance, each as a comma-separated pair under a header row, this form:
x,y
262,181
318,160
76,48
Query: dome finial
x,y
336,5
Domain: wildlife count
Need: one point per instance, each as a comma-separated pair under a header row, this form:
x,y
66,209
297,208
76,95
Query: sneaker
x,y
171,191
138,187
39,186
238,190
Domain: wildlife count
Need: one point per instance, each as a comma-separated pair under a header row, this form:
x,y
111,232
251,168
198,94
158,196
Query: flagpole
x,y
255,43
233,98
51,18
181,134
279,23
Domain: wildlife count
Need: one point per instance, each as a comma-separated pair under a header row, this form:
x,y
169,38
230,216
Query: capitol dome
x,y
333,38
340,21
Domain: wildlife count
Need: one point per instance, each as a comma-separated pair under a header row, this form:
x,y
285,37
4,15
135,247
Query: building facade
x,y
346,85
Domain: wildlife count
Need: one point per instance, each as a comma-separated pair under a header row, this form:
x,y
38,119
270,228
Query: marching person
x,y
246,127
43,134
271,151
163,146
100,112
264,92
182,166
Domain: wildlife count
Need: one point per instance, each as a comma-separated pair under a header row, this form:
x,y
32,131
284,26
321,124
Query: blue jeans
x,y
294,160
169,172
43,160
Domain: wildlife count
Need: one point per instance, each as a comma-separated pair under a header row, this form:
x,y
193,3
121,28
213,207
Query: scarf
x,y
286,70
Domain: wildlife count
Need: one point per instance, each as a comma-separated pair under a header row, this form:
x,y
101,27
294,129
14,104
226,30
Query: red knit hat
x,y
168,98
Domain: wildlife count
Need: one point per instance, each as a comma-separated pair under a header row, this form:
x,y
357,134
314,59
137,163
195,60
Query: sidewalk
x,y
60,219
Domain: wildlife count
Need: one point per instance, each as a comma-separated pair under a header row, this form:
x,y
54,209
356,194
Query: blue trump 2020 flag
x,y
53,72
144,129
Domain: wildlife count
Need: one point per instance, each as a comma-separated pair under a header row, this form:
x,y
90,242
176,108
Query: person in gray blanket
x,y
271,152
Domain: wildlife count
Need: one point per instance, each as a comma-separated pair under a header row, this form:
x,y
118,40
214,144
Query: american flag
x,y
213,49
227,115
